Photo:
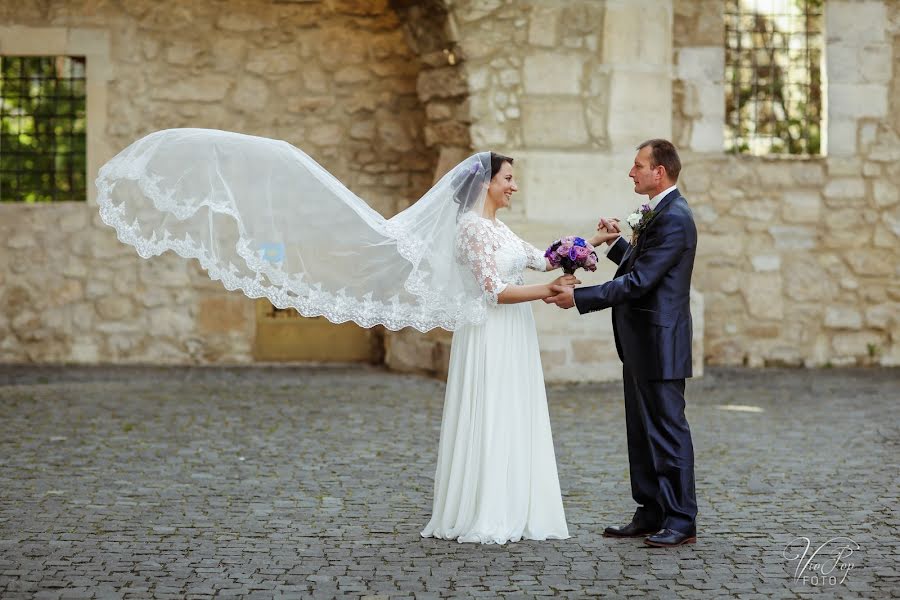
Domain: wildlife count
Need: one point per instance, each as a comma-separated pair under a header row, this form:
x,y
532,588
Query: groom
x,y
650,300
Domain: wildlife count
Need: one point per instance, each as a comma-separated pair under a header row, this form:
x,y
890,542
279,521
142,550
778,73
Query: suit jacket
x,y
650,295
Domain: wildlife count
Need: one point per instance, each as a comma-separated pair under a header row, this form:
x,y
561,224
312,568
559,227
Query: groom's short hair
x,y
665,154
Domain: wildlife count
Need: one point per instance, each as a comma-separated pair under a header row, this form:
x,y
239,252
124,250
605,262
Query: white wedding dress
x,y
496,478
264,218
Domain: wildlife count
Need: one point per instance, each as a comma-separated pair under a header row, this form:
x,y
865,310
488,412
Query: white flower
x,y
633,219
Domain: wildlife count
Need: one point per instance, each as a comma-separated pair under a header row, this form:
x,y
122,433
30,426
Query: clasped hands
x,y
563,288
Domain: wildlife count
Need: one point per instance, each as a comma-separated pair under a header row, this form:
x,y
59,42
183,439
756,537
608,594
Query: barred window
x,y
773,76
43,156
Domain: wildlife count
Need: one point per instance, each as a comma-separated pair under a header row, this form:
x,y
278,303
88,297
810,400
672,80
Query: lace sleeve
x,y
536,258
475,247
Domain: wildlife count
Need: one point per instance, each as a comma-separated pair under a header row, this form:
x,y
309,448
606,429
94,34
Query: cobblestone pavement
x,y
301,482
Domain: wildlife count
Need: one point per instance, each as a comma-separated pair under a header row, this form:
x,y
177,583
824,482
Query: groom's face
x,y
646,177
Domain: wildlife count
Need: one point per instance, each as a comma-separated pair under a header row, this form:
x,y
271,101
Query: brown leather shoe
x,y
628,531
669,538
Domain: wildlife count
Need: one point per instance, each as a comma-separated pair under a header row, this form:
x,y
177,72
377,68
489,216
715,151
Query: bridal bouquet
x,y
572,253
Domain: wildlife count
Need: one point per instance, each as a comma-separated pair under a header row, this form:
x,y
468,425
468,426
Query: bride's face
x,y
502,186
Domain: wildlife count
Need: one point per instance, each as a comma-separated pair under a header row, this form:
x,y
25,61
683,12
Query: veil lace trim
x,y
433,307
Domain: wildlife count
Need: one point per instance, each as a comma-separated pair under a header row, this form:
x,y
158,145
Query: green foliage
x,y
43,154
774,79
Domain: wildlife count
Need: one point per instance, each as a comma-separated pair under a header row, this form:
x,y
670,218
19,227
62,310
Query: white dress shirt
x,y
653,202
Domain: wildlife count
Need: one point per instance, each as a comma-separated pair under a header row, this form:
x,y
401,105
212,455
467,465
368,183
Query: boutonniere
x,y
638,221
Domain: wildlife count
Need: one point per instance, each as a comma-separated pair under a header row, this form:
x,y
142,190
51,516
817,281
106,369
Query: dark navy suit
x,y
651,315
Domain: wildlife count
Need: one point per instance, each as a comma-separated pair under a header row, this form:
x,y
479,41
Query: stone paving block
x,y
314,483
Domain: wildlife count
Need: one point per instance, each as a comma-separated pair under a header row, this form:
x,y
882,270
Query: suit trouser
x,y
660,453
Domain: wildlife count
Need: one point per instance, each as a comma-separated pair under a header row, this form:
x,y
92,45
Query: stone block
x,y
868,133
766,263
449,158
874,262
273,62
638,32
858,344
242,22
842,63
359,7
227,53
715,245
845,188
885,193
447,82
760,209
554,73
842,136
171,323
808,173
597,117
326,134
353,74
451,133
84,352
225,314
855,100
801,206
883,316
550,123
794,237
200,88
66,292
489,135
250,95
875,63
76,220
542,26
317,104
632,99
707,135
395,135
478,78
763,296
184,53
88,42
843,317
33,41
115,308
701,64
855,23
711,101
590,184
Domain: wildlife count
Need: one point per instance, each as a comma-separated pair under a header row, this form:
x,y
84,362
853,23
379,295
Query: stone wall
x,y
336,78
799,258
565,87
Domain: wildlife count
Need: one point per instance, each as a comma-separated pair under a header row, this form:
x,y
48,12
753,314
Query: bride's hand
x,y
569,280
603,237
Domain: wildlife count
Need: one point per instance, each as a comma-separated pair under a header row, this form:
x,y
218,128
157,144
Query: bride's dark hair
x,y
467,194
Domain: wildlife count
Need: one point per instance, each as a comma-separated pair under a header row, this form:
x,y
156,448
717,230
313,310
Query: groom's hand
x,y
609,225
564,296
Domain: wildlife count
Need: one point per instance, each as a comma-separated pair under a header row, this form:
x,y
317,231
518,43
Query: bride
x,y
496,478
266,219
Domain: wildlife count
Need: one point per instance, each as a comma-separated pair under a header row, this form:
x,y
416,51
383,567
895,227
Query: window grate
x,y
773,74
43,155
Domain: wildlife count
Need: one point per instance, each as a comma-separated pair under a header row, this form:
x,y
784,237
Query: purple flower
x,y
572,253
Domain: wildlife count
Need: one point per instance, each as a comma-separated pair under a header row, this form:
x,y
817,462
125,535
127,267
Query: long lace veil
x,y
264,218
